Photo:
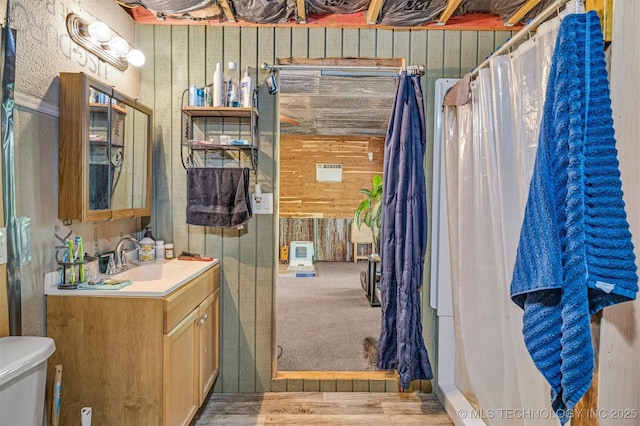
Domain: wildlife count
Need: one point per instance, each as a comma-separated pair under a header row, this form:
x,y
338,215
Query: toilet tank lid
x,y
20,353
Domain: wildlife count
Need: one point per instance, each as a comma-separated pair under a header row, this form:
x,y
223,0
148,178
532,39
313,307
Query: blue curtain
x,y
403,236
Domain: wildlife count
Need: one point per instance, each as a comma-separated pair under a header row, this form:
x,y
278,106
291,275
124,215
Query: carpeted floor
x,y
323,320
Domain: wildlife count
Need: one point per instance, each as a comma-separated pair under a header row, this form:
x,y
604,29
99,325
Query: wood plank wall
x,y
178,56
331,237
301,195
331,205
346,103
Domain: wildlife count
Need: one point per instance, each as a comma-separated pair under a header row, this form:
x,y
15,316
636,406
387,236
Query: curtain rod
x,y
553,8
416,69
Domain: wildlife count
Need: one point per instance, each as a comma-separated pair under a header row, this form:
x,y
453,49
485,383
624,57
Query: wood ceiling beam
x,y
302,12
369,62
374,11
516,17
228,13
448,11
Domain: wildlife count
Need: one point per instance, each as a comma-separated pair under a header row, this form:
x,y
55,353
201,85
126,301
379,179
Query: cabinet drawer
x,y
178,304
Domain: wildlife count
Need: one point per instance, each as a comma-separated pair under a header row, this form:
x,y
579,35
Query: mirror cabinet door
x,y
141,151
104,152
122,161
100,167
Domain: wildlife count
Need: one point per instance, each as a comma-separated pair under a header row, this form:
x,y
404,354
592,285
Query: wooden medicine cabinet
x,y
104,152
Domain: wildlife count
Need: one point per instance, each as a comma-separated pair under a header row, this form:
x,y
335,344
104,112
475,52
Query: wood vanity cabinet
x,y
191,354
137,360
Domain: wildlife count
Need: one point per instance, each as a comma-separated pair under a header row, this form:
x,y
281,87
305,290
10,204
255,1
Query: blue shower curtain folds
x,y
575,255
403,236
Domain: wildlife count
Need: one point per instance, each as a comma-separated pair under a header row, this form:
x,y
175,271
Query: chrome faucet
x,y
120,263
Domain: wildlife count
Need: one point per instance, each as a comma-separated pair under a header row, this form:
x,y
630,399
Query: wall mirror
x,y
105,152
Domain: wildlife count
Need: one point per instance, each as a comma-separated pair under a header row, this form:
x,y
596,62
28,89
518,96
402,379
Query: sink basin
x,y
157,279
152,272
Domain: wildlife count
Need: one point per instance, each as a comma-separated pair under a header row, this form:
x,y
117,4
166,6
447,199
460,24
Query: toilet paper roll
x,y
85,416
257,193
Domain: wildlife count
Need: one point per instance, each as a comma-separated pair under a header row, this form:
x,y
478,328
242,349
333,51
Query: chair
x,y
361,236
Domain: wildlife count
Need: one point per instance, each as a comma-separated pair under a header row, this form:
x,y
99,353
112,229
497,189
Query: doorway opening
x,y
337,120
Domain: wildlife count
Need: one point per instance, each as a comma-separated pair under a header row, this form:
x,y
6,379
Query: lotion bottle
x,y
219,94
246,90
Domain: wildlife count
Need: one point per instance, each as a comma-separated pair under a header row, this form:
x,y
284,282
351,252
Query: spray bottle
x,y
233,88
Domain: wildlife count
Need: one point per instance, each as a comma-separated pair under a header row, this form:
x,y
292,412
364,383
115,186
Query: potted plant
x,y
369,211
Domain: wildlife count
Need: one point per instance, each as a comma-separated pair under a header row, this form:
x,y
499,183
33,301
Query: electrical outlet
x,y
263,207
3,245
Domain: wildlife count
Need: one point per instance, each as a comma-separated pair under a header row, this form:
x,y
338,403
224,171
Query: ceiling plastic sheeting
x,y
264,11
411,12
323,7
171,6
400,13
504,8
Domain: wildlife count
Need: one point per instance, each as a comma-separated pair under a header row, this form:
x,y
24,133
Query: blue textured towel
x,y
575,254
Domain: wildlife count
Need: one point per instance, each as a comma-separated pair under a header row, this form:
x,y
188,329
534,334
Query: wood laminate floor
x,y
322,408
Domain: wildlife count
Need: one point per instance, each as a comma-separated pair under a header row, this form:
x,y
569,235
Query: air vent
x,y
329,172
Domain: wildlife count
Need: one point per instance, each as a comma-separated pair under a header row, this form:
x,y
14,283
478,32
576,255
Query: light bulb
x,y
99,31
135,58
119,46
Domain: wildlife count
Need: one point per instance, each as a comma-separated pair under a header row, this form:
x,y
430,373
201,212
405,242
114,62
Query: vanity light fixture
x,y
103,42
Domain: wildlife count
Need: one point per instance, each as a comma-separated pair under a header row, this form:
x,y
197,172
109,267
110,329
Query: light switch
x,y
263,207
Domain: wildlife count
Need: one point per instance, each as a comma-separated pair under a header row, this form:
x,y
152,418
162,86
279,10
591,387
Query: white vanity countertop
x,y
154,280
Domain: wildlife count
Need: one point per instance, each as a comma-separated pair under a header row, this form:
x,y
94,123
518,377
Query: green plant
x,y
369,211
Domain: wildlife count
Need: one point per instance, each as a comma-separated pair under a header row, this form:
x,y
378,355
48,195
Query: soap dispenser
x,y
148,233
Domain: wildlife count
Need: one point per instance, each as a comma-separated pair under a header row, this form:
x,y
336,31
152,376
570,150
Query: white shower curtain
x,y
490,148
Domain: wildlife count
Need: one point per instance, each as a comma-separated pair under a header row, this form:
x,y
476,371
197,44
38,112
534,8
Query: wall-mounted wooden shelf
x,y
240,118
231,112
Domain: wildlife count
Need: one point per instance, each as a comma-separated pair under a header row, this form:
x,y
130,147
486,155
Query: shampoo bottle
x,y
246,90
219,94
193,95
233,88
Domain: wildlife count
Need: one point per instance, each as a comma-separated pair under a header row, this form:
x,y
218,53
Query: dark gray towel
x,y
218,197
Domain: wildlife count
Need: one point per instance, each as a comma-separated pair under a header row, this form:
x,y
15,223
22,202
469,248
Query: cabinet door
x,y
104,152
209,342
180,388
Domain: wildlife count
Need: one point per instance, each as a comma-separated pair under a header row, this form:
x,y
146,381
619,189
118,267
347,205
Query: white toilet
x,y
23,377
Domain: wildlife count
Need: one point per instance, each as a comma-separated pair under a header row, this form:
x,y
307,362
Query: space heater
x,y
301,253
